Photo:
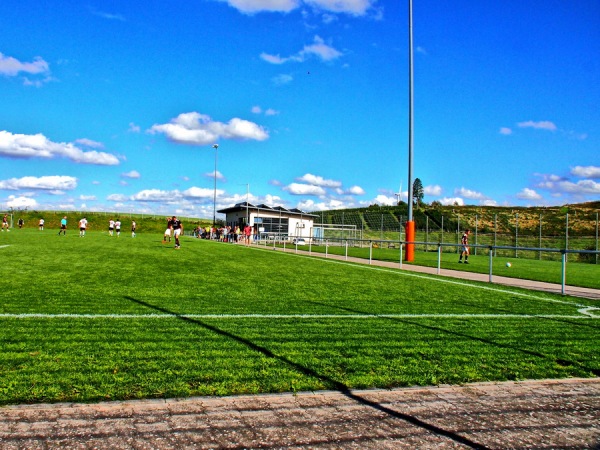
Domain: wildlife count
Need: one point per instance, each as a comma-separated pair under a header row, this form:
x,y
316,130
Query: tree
x,y
418,192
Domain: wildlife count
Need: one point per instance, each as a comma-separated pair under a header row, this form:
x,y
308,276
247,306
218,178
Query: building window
x,y
275,225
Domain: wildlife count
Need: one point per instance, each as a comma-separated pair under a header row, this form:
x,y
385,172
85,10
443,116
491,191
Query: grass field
x,y
101,318
577,274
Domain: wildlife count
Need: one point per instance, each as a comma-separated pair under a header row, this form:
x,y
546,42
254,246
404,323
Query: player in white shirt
x,y
82,227
118,227
111,227
41,224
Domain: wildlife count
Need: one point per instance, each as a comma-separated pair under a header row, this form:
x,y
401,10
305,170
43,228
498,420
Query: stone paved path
x,y
549,414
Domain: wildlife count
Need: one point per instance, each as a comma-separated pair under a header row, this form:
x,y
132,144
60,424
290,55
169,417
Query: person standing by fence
x,y
464,248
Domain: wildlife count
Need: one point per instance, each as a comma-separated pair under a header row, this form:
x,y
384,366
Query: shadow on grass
x,y
561,362
338,386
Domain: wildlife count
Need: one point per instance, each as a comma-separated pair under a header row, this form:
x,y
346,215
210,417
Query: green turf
x,y
577,274
134,318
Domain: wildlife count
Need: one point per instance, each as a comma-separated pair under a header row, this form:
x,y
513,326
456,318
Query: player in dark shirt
x,y
177,230
464,248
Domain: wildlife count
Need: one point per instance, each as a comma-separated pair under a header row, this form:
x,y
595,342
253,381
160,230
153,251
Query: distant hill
x,y
581,218
98,221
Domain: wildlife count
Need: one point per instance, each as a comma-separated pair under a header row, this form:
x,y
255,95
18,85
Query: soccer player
x,y
118,227
133,227
41,224
177,230
168,230
21,223
82,227
464,249
111,227
5,222
63,226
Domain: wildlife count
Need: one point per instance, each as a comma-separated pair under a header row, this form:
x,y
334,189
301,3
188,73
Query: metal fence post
x,y
370,252
491,261
426,233
439,258
563,272
540,244
495,231
596,236
476,223
516,234
567,233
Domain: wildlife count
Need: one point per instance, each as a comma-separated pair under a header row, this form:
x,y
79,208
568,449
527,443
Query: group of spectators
x,y
235,234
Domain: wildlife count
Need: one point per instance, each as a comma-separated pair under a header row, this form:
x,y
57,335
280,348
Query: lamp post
x,y
216,147
410,224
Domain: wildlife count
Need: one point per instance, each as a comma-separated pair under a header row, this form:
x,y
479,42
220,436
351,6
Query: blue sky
x,y
116,105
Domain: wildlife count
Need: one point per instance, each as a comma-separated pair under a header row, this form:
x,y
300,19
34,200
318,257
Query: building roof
x,y
239,207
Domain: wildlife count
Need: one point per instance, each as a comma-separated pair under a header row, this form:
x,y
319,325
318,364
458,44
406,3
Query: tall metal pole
x,y
216,147
410,224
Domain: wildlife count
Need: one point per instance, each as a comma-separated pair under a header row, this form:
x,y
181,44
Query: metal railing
x,y
371,244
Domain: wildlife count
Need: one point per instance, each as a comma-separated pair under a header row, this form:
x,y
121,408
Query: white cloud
x,y
529,194
541,125
117,198
355,190
489,202
447,201
87,197
505,131
318,49
10,66
385,200
42,183
212,175
256,6
256,110
196,192
155,195
282,79
109,16
38,146
583,187
194,128
131,174
89,143
21,202
467,193
433,190
586,172
351,7
271,112
311,205
133,128
304,189
319,181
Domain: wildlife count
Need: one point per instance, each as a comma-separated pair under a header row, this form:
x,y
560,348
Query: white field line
x,y
585,315
438,279
4,246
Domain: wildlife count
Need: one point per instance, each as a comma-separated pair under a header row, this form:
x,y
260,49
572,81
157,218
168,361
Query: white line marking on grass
x,y
588,311
441,279
3,246
584,315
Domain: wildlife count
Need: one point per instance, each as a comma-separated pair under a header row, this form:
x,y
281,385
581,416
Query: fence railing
x,y
368,245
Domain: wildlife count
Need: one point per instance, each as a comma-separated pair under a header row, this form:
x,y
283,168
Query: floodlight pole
x,y
410,224
216,147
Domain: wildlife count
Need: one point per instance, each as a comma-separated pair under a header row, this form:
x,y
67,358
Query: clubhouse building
x,y
270,221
